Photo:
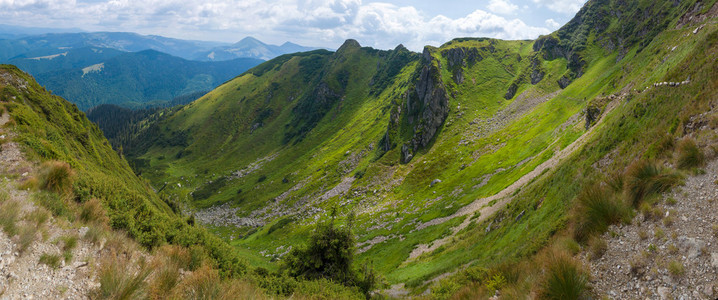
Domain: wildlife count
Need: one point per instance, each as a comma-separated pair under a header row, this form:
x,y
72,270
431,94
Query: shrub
x,y
38,216
203,283
644,178
676,268
118,281
26,237
55,204
597,209
92,211
56,176
689,155
51,260
8,217
564,278
638,264
597,247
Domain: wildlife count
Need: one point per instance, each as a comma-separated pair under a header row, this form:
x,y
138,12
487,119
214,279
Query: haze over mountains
x,y
129,69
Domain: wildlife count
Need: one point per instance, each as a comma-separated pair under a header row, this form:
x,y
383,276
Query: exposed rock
x,y
537,73
435,182
664,293
460,57
592,114
714,260
564,82
511,92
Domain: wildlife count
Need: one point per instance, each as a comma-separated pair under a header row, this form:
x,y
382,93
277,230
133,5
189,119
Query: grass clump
x,y
597,247
8,217
564,278
69,243
51,260
38,217
645,178
689,155
597,209
92,212
676,268
26,237
119,281
55,204
56,176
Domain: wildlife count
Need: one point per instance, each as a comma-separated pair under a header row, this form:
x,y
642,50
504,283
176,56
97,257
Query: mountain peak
x,y
349,44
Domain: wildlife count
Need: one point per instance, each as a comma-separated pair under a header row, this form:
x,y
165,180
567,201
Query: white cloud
x,y
562,6
503,7
552,24
309,22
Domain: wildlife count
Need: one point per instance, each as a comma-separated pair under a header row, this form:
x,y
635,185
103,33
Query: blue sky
x,y
325,23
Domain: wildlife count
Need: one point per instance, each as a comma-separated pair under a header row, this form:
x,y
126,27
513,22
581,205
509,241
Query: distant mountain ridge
x,y
251,47
139,79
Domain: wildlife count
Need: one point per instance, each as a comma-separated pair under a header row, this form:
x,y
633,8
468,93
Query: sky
x,y
319,23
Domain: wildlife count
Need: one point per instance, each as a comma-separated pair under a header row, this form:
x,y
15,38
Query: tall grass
x,y
563,278
92,212
8,217
118,281
645,178
56,176
689,155
597,208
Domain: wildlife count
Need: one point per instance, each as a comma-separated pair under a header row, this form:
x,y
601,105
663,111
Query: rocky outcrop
x,y
552,48
460,57
537,73
423,109
427,105
511,92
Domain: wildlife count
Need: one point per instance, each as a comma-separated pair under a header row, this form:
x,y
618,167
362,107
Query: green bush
x,y
52,260
56,176
644,178
564,278
689,155
597,208
55,204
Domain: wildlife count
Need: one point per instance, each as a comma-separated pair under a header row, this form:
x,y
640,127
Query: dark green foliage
x,y
209,189
329,254
139,78
280,224
392,63
689,155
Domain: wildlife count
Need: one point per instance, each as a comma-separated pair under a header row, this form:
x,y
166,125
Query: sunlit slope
x,y
356,129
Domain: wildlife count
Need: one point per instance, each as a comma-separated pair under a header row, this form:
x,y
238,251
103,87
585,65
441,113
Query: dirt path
x,y
22,276
483,205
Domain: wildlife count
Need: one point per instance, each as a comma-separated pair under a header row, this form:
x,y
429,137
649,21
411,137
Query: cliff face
x,y
460,57
425,105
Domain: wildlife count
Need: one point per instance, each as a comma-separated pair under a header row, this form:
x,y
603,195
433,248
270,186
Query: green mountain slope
x,y
416,144
138,79
50,128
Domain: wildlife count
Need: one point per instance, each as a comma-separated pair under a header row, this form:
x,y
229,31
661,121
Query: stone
x,y
664,293
435,181
708,290
714,260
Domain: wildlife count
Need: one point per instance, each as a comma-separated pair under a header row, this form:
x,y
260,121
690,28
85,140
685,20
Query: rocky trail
x,y
22,275
671,253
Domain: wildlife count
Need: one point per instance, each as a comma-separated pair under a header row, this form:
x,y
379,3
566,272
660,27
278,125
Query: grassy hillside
x,y
83,182
409,141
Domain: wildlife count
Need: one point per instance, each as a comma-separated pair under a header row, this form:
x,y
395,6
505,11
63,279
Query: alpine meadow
x,y
579,165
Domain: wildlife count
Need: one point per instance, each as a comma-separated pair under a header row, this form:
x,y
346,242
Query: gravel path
x,y
637,262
